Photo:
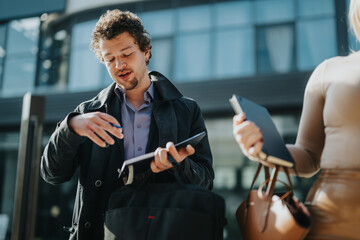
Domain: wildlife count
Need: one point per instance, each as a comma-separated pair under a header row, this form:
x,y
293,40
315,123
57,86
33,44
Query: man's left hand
x,y
161,161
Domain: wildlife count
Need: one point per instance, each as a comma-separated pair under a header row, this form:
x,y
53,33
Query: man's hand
x,y
161,162
96,126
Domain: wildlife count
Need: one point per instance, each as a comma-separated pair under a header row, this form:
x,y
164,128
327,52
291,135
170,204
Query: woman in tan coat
x,y
328,139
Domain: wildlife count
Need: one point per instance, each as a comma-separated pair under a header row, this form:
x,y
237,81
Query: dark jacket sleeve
x,y
60,157
198,167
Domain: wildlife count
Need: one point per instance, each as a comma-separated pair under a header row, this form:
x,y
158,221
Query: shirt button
x,y
139,148
98,183
87,225
138,126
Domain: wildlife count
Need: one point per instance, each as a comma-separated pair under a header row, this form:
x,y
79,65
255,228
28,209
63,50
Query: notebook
x,y
141,163
274,149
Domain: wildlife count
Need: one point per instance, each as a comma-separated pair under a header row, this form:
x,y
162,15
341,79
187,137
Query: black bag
x,y
165,211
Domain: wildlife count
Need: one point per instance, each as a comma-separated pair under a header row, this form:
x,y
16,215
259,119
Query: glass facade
x,y
217,41
20,56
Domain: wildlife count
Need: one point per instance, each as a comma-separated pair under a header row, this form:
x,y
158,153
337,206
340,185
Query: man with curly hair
x,y
152,114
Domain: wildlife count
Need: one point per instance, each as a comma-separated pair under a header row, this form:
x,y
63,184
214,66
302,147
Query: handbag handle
x,y
262,195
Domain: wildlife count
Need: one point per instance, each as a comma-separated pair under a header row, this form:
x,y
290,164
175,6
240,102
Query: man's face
x,y
125,62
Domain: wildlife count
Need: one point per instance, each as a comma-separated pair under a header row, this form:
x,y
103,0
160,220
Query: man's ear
x,y
147,53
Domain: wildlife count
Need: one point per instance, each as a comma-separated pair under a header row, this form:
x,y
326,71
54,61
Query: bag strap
x,y
267,175
270,191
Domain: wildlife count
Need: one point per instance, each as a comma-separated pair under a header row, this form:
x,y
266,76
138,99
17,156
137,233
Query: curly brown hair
x,y
115,22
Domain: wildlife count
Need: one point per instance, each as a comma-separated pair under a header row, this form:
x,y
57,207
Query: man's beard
x,y
130,85
133,83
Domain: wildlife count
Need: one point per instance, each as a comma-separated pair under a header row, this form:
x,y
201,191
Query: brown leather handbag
x,y
268,215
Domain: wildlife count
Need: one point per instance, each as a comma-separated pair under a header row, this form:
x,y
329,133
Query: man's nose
x,y
120,64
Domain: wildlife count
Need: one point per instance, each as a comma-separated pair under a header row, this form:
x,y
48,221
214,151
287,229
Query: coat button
x,y
98,183
87,225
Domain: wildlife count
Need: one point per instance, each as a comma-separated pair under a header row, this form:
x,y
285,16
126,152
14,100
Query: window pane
x,y
310,8
161,56
23,36
275,50
192,58
233,13
194,18
81,33
234,53
271,11
158,23
21,56
316,41
19,75
84,70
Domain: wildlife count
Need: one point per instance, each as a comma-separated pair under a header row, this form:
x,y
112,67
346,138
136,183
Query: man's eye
x,y
127,55
109,60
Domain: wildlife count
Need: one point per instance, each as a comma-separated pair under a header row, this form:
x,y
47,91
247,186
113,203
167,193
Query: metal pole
x,y
27,177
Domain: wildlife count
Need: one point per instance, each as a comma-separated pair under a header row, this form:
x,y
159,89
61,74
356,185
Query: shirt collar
x,y
148,95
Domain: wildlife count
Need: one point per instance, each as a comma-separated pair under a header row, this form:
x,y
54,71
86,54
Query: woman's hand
x,y
248,135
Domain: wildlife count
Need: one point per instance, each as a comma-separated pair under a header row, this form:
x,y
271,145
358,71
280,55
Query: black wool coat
x,y
174,118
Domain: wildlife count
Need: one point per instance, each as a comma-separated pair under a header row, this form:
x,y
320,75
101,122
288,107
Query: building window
x,y
193,57
217,41
85,69
21,56
316,33
161,59
274,11
234,53
161,27
315,42
275,49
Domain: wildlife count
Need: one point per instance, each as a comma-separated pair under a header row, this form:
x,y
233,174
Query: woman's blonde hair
x,y
354,17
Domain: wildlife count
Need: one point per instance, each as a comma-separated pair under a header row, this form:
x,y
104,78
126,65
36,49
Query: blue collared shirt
x,y
135,123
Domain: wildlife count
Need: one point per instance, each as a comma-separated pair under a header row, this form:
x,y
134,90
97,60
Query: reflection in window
x,y
316,41
275,49
21,52
85,71
234,53
193,57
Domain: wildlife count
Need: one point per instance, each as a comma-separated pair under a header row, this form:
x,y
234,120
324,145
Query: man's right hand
x,y
96,126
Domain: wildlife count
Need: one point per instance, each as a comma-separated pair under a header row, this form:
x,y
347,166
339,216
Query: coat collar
x,y
164,91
